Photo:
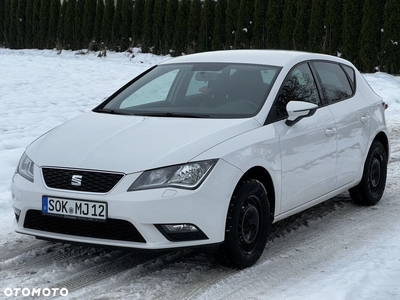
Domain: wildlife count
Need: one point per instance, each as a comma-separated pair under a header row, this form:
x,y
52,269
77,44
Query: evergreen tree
x,y
137,22
21,23
182,20
2,22
232,14
60,25
98,21
89,16
117,25
245,24
148,36
53,23
192,39
12,25
219,25
371,34
127,12
44,23
207,26
159,23
2,17
259,28
274,23
170,21
107,25
300,35
352,22
316,31
69,24
35,23
333,27
288,24
6,22
78,21
28,23
391,37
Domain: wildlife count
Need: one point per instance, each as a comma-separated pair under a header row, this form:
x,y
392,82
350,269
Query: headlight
x,y
25,167
187,176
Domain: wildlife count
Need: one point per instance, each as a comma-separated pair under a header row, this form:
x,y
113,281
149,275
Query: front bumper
x,y
206,208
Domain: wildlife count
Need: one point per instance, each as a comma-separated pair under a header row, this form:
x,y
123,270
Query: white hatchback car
x,y
207,149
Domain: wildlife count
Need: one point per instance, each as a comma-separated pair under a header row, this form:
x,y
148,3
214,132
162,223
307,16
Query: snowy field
x,y
334,251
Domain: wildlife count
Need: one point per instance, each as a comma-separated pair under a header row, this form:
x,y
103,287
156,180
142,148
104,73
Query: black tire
x,y
372,185
247,226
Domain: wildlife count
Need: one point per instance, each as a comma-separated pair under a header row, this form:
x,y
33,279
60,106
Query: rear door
x,y
351,114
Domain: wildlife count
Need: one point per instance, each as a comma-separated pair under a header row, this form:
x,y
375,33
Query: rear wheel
x,y
372,185
247,226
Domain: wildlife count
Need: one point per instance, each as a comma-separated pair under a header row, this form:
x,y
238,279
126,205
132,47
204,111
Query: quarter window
x,y
299,85
335,84
352,76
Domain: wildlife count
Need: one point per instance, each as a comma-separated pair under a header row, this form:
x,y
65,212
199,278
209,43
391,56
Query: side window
x,y
335,84
299,85
352,75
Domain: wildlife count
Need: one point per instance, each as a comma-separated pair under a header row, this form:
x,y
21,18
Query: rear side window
x,y
335,83
351,74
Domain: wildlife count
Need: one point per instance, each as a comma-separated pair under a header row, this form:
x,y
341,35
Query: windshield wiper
x,y
111,111
171,114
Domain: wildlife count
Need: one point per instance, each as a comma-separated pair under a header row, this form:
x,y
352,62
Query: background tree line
x,y
366,32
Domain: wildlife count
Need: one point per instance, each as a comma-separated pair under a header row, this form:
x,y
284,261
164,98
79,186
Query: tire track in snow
x,y
105,270
51,254
17,248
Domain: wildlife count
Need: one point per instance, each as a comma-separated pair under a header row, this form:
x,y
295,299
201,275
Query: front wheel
x,y
247,226
372,185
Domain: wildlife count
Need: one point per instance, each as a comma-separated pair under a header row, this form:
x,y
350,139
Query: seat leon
x,y
207,149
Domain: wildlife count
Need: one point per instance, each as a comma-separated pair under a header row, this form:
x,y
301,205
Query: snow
x,y
336,250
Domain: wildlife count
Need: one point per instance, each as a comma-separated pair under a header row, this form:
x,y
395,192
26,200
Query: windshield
x,y
201,90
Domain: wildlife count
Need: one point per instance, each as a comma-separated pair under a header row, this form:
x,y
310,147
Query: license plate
x,y
77,209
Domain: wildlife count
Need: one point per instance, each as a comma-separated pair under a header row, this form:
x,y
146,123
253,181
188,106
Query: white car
x,y
207,149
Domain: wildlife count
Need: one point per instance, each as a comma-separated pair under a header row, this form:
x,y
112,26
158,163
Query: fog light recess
x,y
181,232
17,213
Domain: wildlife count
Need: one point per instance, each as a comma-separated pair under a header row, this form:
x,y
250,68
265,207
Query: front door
x,y
309,147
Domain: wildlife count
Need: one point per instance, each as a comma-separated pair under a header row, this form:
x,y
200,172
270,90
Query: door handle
x,y
365,119
330,131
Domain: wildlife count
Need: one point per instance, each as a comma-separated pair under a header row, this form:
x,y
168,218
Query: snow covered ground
x,y
336,250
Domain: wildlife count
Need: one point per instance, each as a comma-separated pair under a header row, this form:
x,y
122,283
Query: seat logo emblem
x,y
76,180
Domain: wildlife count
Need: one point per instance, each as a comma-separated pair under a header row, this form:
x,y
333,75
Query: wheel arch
x,y
262,175
382,137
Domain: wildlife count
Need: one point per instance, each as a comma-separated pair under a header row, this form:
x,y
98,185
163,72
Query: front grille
x,y
112,229
91,181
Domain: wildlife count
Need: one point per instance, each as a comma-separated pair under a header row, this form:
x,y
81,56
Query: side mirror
x,y
298,110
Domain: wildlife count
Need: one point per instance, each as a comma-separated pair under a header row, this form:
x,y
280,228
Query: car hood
x,y
131,143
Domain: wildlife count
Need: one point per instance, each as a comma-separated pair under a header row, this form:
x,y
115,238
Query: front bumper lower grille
x,y
80,180
112,229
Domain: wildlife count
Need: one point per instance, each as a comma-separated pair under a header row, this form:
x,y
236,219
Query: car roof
x,y
264,57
